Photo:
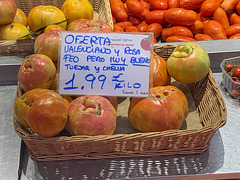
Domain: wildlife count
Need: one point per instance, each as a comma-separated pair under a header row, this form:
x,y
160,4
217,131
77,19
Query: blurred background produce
x,y
179,20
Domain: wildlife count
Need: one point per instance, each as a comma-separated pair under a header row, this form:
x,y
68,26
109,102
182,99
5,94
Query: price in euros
x,y
90,78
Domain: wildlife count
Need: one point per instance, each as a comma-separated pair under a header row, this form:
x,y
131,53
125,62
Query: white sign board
x,y
104,64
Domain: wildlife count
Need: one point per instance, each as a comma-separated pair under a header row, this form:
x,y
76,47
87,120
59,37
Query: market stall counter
x,y
219,161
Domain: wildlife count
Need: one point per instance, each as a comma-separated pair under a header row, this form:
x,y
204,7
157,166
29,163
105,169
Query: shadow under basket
x,y
210,109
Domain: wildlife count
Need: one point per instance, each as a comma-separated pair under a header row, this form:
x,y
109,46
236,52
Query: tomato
x,y
156,28
91,115
238,7
75,9
92,26
36,71
228,67
166,108
159,4
176,31
221,16
53,27
229,5
214,29
14,31
232,30
8,9
209,6
132,29
134,20
188,63
191,4
180,16
142,26
202,37
173,3
137,9
156,16
113,100
118,29
38,108
197,27
158,72
235,92
21,105
73,23
48,44
234,18
20,17
124,25
179,39
41,16
235,36
118,10
236,72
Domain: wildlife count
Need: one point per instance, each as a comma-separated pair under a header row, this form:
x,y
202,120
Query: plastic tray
x,y
232,86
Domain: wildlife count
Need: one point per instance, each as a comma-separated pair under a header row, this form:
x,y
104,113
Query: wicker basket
x,y
210,109
101,11
101,8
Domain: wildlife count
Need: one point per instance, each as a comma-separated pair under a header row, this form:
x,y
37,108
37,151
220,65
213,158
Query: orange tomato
x,y
179,39
142,26
156,16
158,5
220,16
180,16
214,29
202,37
209,6
156,28
118,10
176,31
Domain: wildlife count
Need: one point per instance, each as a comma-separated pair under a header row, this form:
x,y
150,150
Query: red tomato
x,y
37,108
165,109
21,105
236,72
228,67
235,93
91,115
36,71
48,44
113,100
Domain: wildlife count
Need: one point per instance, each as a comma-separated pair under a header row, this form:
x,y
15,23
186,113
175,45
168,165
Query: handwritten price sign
x,y
104,64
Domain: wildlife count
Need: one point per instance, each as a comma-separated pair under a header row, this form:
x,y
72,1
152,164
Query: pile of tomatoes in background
x,y
178,20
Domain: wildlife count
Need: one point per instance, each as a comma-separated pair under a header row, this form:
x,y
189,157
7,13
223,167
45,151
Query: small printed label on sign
x,y
104,64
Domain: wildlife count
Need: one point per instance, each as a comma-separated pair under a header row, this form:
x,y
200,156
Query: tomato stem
x,y
183,51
